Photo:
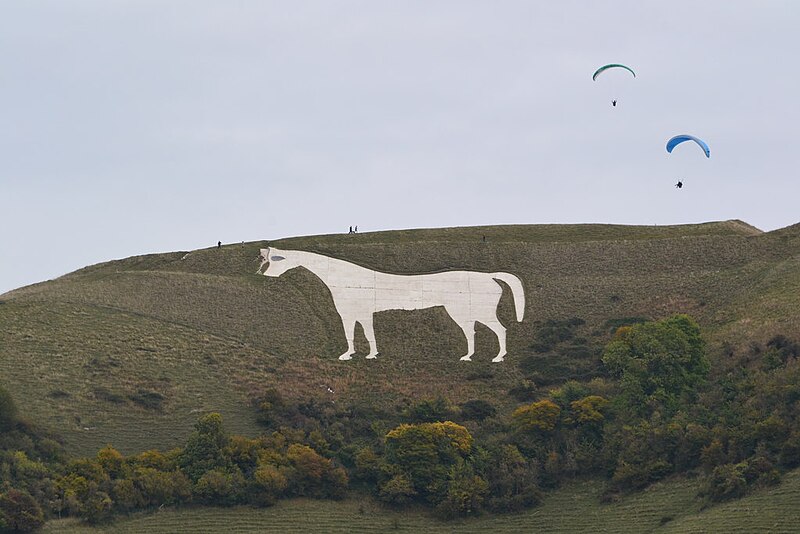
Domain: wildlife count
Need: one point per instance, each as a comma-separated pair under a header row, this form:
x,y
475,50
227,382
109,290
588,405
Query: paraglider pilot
x,y
679,184
614,103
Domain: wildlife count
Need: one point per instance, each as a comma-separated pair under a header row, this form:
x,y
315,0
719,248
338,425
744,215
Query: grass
x,y
129,352
668,507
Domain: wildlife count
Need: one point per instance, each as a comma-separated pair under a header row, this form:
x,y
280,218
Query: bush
x,y
589,410
790,451
159,487
150,400
465,496
513,481
539,416
272,482
477,410
429,411
221,487
633,476
20,511
8,410
725,482
398,490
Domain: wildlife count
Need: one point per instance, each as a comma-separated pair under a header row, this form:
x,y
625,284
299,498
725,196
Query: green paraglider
x,y
611,66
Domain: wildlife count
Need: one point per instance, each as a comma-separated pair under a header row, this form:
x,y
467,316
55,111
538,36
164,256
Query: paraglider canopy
x,y
678,139
612,66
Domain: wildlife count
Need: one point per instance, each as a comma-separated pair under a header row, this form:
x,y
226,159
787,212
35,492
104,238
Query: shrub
x,y
20,511
524,391
112,461
126,496
790,451
150,400
8,410
465,496
221,487
539,416
429,411
272,482
97,508
633,476
513,481
725,482
477,410
589,410
398,490
159,487
367,465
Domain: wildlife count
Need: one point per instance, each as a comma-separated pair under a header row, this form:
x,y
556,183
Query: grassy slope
x,y
665,507
207,333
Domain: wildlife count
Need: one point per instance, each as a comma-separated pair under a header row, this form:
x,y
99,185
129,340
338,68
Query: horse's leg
x,y
500,330
349,333
369,333
468,326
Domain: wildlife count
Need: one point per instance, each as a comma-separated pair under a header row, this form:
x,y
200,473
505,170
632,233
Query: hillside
x,y
128,351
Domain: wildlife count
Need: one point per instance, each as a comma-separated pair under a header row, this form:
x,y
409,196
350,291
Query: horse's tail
x,y
516,289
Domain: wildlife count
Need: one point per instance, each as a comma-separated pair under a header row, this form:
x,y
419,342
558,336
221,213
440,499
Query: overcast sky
x,y
136,126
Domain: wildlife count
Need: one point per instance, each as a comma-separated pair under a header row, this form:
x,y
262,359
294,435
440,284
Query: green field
x,y
664,507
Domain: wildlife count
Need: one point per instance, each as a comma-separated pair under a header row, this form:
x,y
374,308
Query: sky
x,y
136,126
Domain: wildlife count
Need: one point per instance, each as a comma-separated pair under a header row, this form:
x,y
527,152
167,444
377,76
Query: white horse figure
x,y
358,293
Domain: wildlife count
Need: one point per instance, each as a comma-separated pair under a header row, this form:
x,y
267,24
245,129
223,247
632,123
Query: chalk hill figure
x,y
358,292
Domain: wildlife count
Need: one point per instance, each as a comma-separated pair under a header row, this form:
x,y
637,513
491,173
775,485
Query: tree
x,y
160,487
424,453
204,448
466,493
112,461
513,481
314,475
272,482
657,364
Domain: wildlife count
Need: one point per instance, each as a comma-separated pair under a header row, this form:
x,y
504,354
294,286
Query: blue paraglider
x,y
678,139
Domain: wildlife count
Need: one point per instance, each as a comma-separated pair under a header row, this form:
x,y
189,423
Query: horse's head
x,y
276,262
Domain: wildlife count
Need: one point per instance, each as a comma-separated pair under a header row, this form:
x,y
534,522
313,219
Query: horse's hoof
x,y
371,356
345,357
497,359
466,358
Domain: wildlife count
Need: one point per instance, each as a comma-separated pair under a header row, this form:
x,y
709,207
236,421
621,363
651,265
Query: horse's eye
x,y
276,258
